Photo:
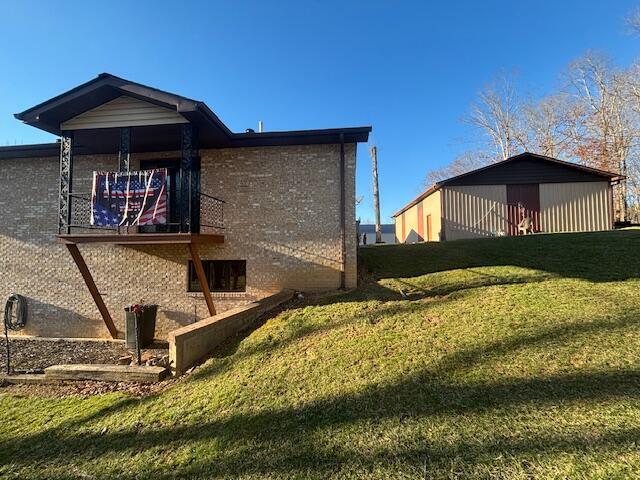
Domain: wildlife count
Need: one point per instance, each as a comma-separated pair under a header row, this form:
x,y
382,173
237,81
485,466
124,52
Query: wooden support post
x,y
376,194
202,278
93,290
343,227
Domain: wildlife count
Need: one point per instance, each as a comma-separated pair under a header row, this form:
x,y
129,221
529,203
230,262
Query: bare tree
x,y
463,163
604,131
633,21
496,115
545,126
594,120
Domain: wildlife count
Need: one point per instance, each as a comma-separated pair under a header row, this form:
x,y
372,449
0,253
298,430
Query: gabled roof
x,y
461,179
49,114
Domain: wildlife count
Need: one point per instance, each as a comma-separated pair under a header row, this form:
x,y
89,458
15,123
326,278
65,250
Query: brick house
x,y
248,214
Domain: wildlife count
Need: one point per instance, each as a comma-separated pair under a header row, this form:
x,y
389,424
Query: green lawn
x,y
505,358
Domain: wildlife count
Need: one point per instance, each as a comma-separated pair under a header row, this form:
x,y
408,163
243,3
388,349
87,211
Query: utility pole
x,y
376,194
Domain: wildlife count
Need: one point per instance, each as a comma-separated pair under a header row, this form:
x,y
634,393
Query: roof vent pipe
x,y
260,127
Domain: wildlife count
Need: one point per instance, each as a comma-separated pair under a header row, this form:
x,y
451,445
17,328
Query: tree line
x,y
592,118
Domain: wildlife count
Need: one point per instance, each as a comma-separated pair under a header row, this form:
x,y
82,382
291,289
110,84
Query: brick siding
x,y
282,216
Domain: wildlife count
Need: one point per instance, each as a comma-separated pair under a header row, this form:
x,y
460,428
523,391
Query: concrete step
x,y
107,373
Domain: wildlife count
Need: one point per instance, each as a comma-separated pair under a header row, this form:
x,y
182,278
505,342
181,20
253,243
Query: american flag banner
x,y
129,198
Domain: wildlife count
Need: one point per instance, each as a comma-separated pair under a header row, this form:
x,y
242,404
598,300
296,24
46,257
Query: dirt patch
x,y
85,389
37,354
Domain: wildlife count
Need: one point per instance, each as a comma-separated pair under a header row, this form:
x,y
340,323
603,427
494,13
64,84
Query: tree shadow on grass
x,y
413,290
596,256
280,442
370,315
283,441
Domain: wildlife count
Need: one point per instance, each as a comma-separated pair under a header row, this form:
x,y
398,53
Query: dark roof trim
x,y
301,137
419,198
29,151
296,137
106,87
584,168
50,114
438,185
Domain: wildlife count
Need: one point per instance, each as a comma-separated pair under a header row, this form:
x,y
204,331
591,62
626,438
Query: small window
x,y
223,276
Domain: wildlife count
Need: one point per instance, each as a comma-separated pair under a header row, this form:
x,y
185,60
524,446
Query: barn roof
x,y
498,173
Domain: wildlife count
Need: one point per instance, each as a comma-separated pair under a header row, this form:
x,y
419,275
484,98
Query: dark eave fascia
x,y
37,115
433,188
212,117
301,137
32,113
106,79
594,171
46,115
30,151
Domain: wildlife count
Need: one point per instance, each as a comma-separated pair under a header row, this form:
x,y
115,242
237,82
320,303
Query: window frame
x,y
207,265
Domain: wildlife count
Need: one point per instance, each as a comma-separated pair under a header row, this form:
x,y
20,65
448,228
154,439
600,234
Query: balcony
x,y
198,220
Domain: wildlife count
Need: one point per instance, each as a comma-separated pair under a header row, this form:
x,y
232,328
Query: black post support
x,y
188,176
195,195
66,174
6,339
137,329
124,153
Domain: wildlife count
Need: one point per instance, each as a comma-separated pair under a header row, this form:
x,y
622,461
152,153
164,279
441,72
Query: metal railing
x,y
204,214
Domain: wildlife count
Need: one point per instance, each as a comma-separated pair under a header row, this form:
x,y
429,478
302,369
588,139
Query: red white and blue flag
x,y
129,198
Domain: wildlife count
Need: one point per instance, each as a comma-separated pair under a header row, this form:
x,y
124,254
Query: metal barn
x,y
553,195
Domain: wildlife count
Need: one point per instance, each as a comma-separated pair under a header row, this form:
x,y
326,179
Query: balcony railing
x,y
202,214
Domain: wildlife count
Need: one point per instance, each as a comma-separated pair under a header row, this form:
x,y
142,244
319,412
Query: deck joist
x,y
141,238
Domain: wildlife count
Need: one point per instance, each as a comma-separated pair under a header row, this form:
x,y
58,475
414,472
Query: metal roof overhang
x,y
213,133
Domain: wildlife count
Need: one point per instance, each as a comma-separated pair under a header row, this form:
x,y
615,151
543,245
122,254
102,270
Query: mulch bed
x,y
37,354
33,355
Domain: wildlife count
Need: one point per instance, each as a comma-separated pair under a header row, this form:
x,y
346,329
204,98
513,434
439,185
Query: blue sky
x,y
409,69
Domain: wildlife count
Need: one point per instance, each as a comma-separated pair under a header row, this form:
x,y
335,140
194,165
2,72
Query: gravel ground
x,y
35,354
87,388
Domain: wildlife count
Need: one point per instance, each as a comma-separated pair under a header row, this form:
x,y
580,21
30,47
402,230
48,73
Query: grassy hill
x,y
506,358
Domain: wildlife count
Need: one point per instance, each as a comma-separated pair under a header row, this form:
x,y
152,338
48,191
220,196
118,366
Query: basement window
x,y
222,275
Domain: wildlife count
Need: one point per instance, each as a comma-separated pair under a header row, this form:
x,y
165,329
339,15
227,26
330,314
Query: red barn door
x,y
523,201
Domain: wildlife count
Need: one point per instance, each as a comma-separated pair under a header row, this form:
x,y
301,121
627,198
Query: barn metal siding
x,y
575,207
474,211
411,224
431,206
123,112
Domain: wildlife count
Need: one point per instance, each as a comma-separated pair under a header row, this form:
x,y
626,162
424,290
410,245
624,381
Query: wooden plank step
x,y
107,373
26,379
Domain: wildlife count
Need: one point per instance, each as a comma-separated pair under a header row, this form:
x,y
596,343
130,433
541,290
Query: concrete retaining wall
x,y
188,345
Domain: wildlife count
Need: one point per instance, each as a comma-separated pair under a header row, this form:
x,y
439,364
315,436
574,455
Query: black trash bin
x,y
146,326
